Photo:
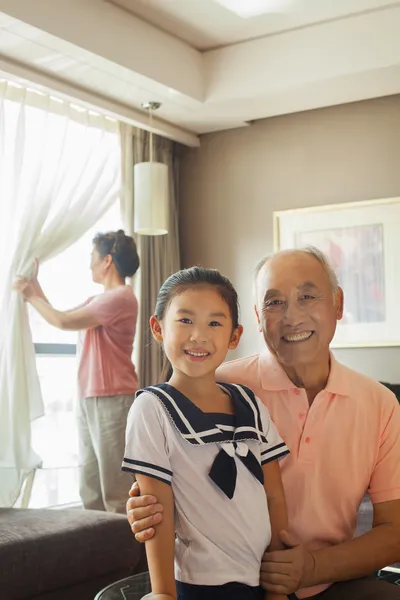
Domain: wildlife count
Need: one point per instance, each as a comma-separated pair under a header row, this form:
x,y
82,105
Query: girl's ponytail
x,y
166,371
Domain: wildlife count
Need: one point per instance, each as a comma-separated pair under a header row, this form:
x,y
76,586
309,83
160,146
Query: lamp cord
x,y
151,134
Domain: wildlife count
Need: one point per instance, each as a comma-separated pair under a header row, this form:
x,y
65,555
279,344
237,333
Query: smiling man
x,y
343,431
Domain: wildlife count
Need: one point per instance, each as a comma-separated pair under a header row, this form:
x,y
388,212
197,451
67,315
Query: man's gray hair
x,y
318,254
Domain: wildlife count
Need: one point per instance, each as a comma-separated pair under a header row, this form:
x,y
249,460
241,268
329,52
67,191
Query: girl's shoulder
x,y
147,413
160,398
147,402
167,400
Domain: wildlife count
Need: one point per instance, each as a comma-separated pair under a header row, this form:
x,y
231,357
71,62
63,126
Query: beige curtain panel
x,y
159,255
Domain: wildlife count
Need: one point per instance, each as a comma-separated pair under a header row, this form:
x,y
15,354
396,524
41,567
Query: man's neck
x,y
312,377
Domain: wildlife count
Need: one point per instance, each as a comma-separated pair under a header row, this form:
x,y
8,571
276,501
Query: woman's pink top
x,y
106,367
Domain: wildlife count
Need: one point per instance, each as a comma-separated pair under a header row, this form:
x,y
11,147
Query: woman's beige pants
x,y
101,430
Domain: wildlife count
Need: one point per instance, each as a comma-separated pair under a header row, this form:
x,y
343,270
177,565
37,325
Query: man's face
x,y
297,308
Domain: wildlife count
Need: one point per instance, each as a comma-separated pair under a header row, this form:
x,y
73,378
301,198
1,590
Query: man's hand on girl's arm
x,y
144,513
287,570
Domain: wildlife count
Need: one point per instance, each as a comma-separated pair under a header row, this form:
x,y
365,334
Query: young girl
x,y
205,450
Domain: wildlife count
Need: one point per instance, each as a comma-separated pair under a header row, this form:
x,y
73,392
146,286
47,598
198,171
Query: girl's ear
x,y
156,330
235,337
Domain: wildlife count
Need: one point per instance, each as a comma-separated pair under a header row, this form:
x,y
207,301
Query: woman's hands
x,y
28,287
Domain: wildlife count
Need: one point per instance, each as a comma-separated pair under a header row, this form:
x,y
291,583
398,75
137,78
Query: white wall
x,y
233,183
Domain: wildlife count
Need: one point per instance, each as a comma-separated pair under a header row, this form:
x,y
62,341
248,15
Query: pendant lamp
x,y
151,190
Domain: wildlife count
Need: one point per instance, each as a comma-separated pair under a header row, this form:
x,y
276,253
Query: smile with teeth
x,y
197,354
298,337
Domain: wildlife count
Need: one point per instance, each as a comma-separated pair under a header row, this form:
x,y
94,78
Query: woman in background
x,y
107,379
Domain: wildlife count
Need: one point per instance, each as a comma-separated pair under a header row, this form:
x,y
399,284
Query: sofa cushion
x,y
44,549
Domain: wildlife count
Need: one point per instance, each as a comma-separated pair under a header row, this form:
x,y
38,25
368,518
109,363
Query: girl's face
x,y
197,331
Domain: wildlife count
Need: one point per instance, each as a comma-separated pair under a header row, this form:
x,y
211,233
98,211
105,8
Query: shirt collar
x,y
273,377
201,428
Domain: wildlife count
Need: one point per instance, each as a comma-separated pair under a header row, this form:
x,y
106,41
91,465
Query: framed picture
x,y
362,242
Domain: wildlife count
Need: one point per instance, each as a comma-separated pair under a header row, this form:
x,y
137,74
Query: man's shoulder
x,y
363,386
241,370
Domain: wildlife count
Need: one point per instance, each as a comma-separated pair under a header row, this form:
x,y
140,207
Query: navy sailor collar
x,y
199,428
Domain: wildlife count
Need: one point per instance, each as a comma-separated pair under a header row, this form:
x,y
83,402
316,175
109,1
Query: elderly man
x,y
343,431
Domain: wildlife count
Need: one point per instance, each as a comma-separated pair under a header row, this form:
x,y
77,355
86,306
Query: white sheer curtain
x,y
60,170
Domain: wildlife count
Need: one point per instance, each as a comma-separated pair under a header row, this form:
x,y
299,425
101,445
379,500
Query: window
x,y
66,281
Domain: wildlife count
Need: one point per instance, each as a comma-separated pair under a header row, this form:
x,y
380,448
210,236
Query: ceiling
x,y
210,68
207,24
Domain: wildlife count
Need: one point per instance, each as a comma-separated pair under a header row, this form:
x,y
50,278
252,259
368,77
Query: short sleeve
x,y
112,306
104,307
274,448
385,480
146,449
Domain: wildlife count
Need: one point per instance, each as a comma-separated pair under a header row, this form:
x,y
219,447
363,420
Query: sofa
x,y
66,554
72,554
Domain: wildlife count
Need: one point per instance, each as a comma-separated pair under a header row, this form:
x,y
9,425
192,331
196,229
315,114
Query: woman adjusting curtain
x,y
107,379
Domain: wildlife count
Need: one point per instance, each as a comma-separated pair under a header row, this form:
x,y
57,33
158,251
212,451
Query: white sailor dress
x,y
213,462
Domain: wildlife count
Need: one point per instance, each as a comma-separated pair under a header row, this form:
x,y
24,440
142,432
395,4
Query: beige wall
x,y
233,183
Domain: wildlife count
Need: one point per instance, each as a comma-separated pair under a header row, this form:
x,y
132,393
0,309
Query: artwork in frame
x,y
362,241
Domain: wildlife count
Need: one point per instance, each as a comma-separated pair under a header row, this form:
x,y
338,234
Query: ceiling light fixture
x,y
151,189
253,8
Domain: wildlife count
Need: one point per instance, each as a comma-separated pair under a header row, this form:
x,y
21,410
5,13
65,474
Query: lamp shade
x,y
151,188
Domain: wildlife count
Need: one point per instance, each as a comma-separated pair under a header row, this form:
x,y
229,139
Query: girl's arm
x,y
160,549
276,502
277,510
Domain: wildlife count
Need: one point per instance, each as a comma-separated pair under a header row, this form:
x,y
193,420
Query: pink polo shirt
x,y
346,443
106,367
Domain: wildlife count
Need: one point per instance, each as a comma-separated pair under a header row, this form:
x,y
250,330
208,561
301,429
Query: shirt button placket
x,y
305,446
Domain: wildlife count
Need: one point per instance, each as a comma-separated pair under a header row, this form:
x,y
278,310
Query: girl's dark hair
x,y
122,249
185,279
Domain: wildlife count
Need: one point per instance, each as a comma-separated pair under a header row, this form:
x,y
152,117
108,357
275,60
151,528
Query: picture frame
x,y
362,242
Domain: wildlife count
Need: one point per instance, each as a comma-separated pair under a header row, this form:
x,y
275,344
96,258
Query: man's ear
x,y
258,318
339,301
156,330
235,338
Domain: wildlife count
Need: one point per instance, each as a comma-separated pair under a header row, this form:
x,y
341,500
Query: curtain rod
x,y
89,99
